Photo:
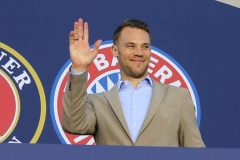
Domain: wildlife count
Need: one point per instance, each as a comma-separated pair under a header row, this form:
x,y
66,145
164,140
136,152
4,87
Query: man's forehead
x,y
134,35
132,30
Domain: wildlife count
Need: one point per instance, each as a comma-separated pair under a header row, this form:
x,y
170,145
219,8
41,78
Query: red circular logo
x,y
9,106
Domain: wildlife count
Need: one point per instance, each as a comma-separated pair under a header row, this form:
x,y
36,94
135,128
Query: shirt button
x,y
135,92
134,124
135,106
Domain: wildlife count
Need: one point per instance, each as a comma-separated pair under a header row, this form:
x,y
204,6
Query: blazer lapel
x,y
158,94
113,99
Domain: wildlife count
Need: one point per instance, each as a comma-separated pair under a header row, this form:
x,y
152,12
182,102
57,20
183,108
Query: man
x,y
137,110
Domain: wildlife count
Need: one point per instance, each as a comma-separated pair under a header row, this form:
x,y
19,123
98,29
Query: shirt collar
x,y
120,82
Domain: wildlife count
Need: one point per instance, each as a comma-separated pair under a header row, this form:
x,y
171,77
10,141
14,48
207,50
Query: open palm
x,y
80,53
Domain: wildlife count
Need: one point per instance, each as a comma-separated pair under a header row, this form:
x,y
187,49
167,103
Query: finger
x,y
71,38
76,31
96,46
80,28
86,31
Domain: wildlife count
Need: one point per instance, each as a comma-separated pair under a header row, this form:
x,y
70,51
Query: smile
x,y
138,61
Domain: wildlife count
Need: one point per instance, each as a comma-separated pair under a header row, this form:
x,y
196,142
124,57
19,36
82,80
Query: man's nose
x,y
138,52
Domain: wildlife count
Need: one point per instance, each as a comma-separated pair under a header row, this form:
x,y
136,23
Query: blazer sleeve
x,y
78,116
189,134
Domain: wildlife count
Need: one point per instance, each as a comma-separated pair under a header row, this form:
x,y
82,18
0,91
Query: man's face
x,y
133,52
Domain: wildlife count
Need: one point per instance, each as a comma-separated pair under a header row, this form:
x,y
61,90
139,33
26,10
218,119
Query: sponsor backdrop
x,y
195,45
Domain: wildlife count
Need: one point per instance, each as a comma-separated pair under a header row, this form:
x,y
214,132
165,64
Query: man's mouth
x,y
137,60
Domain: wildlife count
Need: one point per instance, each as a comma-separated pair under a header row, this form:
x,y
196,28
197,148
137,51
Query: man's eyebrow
x,y
129,43
134,43
146,44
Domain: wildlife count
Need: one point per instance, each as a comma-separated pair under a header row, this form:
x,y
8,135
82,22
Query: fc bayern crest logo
x,y
22,99
104,73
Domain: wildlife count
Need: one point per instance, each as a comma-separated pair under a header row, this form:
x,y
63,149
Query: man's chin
x,y
139,74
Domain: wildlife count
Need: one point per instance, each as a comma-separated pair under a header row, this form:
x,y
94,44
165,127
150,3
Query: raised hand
x,y
80,53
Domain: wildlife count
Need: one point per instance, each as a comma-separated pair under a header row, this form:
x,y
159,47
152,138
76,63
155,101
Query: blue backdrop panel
x,y
202,35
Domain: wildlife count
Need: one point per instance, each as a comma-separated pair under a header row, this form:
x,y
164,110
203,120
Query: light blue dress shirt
x,y
135,102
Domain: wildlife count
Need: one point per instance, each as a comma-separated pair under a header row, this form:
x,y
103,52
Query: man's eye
x,y
130,46
145,47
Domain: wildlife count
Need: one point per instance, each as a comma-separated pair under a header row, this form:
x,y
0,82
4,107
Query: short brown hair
x,y
133,23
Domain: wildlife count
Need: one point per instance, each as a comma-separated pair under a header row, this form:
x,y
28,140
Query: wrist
x,y
79,69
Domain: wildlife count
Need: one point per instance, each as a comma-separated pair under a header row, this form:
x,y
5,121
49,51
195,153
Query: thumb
x,y
96,46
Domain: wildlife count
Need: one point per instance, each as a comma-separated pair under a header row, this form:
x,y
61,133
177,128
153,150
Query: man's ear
x,y
114,51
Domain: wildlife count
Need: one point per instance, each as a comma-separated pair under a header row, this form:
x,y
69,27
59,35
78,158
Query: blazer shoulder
x,y
168,87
